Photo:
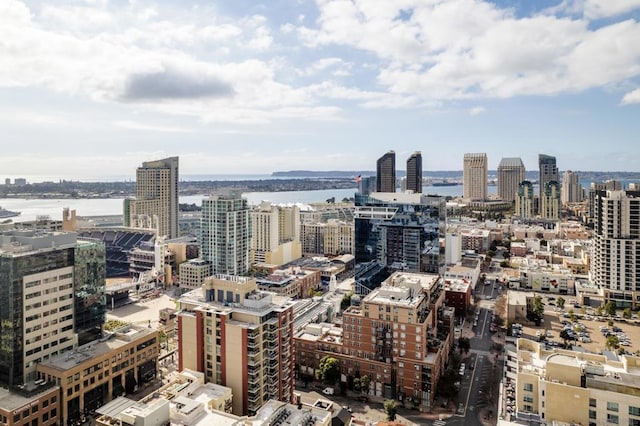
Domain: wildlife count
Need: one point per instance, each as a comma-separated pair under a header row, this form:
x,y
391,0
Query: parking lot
x,y
589,332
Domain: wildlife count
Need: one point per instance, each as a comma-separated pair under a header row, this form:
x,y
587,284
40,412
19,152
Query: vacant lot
x,y
553,322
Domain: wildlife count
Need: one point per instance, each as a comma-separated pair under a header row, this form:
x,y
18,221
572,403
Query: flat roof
x,y
10,401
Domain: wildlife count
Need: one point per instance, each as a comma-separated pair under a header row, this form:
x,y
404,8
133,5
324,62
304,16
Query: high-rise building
x,y
367,185
400,231
511,173
238,337
414,173
331,237
275,234
226,234
474,176
548,173
572,191
53,288
156,202
615,264
550,201
386,173
608,185
525,200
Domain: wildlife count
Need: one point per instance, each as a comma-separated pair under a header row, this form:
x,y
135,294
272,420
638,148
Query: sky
x,y
93,88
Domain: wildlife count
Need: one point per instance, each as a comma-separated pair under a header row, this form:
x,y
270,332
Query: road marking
x,y
439,423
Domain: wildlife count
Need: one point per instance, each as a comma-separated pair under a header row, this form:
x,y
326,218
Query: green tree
x,y
610,308
357,384
612,342
365,381
560,302
391,409
504,264
583,310
538,308
329,370
564,335
572,316
346,301
626,313
599,311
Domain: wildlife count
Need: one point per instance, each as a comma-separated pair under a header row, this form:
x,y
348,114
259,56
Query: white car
x,y
327,391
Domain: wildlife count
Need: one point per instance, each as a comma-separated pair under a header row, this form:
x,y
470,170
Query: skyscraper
x,y
510,174
156,202
52,288
615,265
275,234
226,234
414,172
571,189
550,201
548,172
474,176
386,173
524,200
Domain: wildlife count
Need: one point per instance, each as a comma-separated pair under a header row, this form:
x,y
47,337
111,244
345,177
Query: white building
x,y
474,176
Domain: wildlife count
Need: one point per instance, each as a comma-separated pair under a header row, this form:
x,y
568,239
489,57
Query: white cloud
x,y
477,111
596,9
632,97
126,124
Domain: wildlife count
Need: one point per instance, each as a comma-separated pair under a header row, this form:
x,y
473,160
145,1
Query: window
x,y
612,418
528,387
527,398
612,406
634,411
592,414
592,402
634,422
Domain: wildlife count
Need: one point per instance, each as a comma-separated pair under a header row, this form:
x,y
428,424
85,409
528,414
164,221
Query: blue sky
x,y
92,88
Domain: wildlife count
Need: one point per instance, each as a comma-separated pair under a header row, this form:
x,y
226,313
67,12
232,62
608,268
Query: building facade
x,y
275,234
193,273
615,263
525,201
238,338
474,176
334,237
511,173
414,173
572,191
386,173
400,336
226,234
156,202
46,278
550,204
548,172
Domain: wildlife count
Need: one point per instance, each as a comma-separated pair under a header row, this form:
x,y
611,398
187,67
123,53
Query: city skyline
x,y
95,88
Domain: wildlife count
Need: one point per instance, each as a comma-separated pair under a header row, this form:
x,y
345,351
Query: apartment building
x,y
97,372
238,337
400,336
414,173
615,264
156,202
572,191
548,172
550,204
54,288
275,234
333,237
600,389
226,234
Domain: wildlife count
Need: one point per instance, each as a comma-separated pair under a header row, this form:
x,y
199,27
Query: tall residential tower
x,y
548,172
156,202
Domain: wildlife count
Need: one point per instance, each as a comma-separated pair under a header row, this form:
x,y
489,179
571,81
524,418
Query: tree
x,y
504,264
538,309
365,381
391,409
626,313
572,315
357,384
612,342
464,344
564,335
583,309
599,311
346,301
610,308
560,302
329,370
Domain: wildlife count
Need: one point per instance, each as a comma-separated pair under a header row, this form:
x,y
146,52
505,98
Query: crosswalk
x,y
439,423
